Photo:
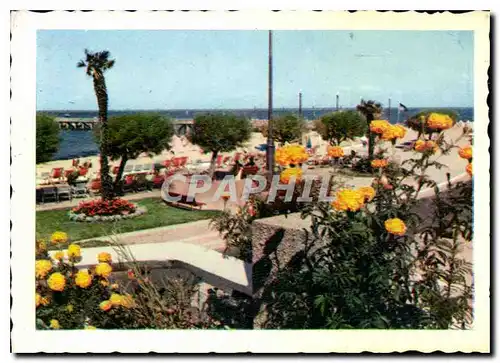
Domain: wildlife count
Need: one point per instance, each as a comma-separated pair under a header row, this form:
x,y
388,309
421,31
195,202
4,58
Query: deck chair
x,y
128,185
57,173
49,194
95,187
64,192
79,190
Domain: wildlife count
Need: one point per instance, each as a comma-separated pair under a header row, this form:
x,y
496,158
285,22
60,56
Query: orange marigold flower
x,y
74,251
368,193
103,269
38,299
59,237
42,268
291,154
105,305
104,257
45,301
425,146
349,200
335,151
468,169
439,121
287,174
59,255
395,226
379,126
379,163
465,152
56,281
83,279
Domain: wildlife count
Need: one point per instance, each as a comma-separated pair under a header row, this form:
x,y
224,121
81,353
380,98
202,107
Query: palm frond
x,y
81,64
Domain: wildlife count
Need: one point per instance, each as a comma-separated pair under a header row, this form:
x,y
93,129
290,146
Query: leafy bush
x,y
47,137
286,128
376,263
219,132
128,136
338,126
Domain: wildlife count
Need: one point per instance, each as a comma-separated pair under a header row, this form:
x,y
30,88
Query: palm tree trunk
x,y
118,184
371,139
102,102
211,171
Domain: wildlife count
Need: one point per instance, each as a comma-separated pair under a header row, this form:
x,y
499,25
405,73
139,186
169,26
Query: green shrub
x,y
338,126
219,132
286,128
47,137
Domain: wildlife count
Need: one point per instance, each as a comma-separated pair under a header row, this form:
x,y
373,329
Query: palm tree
x,y
95,65
370,110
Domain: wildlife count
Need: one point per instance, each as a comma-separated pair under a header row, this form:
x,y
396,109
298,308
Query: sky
x,y
171,69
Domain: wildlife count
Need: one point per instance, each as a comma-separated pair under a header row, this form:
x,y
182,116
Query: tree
x,y
131,135
219,132
286,128
370,110
338,126
417,122
47,137
95,65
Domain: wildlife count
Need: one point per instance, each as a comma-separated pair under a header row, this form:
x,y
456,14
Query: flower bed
x,y
105,211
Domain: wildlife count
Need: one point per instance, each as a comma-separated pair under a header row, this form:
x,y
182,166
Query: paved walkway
x,y
197,233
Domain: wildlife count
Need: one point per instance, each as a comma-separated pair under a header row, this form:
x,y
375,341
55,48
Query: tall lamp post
x,y
270,141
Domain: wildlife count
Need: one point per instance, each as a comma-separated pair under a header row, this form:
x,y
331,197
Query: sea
x,y
76,144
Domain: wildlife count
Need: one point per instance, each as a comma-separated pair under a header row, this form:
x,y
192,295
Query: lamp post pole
x,y
270,141
337,102
300,104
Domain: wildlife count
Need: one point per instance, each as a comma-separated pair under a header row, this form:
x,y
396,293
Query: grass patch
x,y
158,215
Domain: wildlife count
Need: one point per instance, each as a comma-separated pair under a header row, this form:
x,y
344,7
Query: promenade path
x,y
197,233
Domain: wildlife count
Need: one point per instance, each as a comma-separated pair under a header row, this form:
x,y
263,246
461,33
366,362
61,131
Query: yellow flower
x,y
349,200
38,299
425,146
281,157
42,268
395,226
54,324
69,308
335,151
114,286
103,269
116,299
74,251
83,279
400,131
439,121
291,154
59,237
368,193
379,126
104,283
287,174
465,152
104,257
105,305
468,169
45,301
59,255
90,327
56,281
379,163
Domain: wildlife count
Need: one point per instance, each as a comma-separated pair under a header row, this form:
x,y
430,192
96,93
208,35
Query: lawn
x,y
158,215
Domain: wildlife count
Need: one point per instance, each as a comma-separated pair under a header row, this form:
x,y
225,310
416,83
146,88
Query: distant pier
x,y
181,127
